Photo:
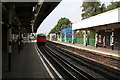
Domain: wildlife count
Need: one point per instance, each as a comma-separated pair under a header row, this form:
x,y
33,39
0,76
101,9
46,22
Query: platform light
x,y
88,31
33,9
77,31
32,21
2,22
83,31
30,24
40,2
104,28
35,14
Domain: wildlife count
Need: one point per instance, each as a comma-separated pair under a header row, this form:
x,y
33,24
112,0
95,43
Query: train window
x,y
41,37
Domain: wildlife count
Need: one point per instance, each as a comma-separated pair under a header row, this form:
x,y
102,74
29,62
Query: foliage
x,y
79,34
92,9
91,34
113,5
61,24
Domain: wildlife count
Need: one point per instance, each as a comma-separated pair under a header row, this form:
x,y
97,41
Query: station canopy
x,y
27,14
105,18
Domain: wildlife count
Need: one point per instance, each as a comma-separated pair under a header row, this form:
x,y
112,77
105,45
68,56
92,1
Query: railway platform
x,y
99,50
26,64
105,57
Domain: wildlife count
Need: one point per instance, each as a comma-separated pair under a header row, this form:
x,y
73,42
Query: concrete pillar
x,y
85,38
56,36
22,37
11,6
19,42
0,41
32,28
60,36
104,42
29,37
65,37
73,36
50,37
96,39
26,37
112,40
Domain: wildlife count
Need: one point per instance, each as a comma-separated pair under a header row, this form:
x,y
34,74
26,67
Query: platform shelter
x,y
106,27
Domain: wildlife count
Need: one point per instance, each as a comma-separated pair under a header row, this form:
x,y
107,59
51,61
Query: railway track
x,y
68,70
99,69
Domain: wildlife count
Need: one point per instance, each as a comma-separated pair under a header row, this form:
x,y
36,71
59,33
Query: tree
x,y
61,24
102,8
92,9
79,34
113,5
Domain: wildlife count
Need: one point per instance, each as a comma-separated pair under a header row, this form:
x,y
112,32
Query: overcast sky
x,y
67,8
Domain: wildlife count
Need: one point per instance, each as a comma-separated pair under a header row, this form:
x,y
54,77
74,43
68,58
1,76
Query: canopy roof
x,y
108,17
26,14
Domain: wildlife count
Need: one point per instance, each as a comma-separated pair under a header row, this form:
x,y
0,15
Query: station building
x,y
102,30
66,34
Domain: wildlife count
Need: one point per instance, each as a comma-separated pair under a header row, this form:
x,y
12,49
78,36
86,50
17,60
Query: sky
x,y
66,8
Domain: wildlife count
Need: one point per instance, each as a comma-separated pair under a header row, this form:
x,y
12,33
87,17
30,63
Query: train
x,y
41,39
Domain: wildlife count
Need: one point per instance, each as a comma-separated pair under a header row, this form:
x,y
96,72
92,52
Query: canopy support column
x,y
96,39
10,36
85,38
73,36
112,40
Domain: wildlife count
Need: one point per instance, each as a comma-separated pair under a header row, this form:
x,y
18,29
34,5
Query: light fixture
x,y
33,9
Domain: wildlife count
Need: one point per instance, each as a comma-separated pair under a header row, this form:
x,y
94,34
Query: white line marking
x,y
79,47
51,75
58,74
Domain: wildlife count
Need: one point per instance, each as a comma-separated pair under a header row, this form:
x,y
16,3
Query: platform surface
x,y
27,64
100,50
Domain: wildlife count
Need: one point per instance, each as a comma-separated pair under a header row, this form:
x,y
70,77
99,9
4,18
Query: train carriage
x,y
41,39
